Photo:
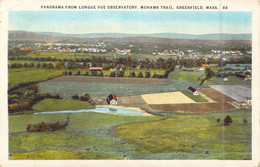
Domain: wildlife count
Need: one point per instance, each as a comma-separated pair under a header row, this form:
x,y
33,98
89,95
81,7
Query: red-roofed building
x,y
96,68
112,99
205,65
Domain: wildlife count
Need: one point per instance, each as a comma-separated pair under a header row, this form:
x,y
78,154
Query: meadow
x,y
100,89
17,76
105,136
61,104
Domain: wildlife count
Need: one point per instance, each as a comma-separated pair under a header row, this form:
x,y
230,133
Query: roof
x,y
192,89
96,68
111,97
205,65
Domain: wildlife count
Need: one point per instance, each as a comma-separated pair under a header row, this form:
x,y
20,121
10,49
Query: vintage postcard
x,y
113,82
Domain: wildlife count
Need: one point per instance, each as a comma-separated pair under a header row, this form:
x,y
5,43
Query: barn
x,y
112,99
193,91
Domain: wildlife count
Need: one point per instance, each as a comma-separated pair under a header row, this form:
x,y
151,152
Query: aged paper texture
x,y
129,83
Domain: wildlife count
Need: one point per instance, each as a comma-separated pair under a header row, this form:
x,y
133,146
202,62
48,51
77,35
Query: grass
x,y
56,155
61,104
88,135
17,76
197,76
197,98
195,136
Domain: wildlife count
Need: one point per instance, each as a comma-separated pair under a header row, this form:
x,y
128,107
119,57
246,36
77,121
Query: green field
x,y
197,98
88,136
103,89
17,76
105,136
198,76
61,104
192,136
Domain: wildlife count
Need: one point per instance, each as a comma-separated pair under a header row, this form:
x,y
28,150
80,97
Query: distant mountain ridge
x,y
14,34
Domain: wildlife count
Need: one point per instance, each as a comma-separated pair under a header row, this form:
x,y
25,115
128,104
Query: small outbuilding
x,y
248,100
193,91
112,99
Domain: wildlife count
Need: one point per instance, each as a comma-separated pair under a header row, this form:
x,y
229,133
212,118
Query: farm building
x,y
112,99
248,100
193,91
242,77
96,68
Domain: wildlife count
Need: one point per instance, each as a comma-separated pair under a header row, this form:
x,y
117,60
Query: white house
x,y
193,91
111,99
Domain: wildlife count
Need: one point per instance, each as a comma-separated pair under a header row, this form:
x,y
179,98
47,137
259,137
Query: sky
x,y
133,22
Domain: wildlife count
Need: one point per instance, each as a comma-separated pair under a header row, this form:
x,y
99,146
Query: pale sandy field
x,y
167,98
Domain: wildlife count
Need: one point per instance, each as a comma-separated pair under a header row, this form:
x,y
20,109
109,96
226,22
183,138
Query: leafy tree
x,y
87,73
78,73
155,75
85,97
65,73
70,72
209,73
140,75
132,74
228,120
101,74
112,74
147,74
75,96
94,73
120,73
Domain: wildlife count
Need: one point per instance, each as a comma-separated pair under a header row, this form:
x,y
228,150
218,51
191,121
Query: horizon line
x,y
129,33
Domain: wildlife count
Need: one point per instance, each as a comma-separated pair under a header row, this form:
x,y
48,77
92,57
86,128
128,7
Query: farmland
x,y
105,136
61,104
17,76
193,108
100,89
191,136
197,76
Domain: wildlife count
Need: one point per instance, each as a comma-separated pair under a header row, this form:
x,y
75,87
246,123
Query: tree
x,y
228,120
132,74
85,97
65,73
140,75
244,121
209,73
120,73
155,75
87,73
112,74
70,72
78,73
75,97
101,74
147,74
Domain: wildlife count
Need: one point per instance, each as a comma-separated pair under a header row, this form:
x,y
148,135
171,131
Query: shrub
x,y
85,97
87,73
75,96
30,128
228,120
